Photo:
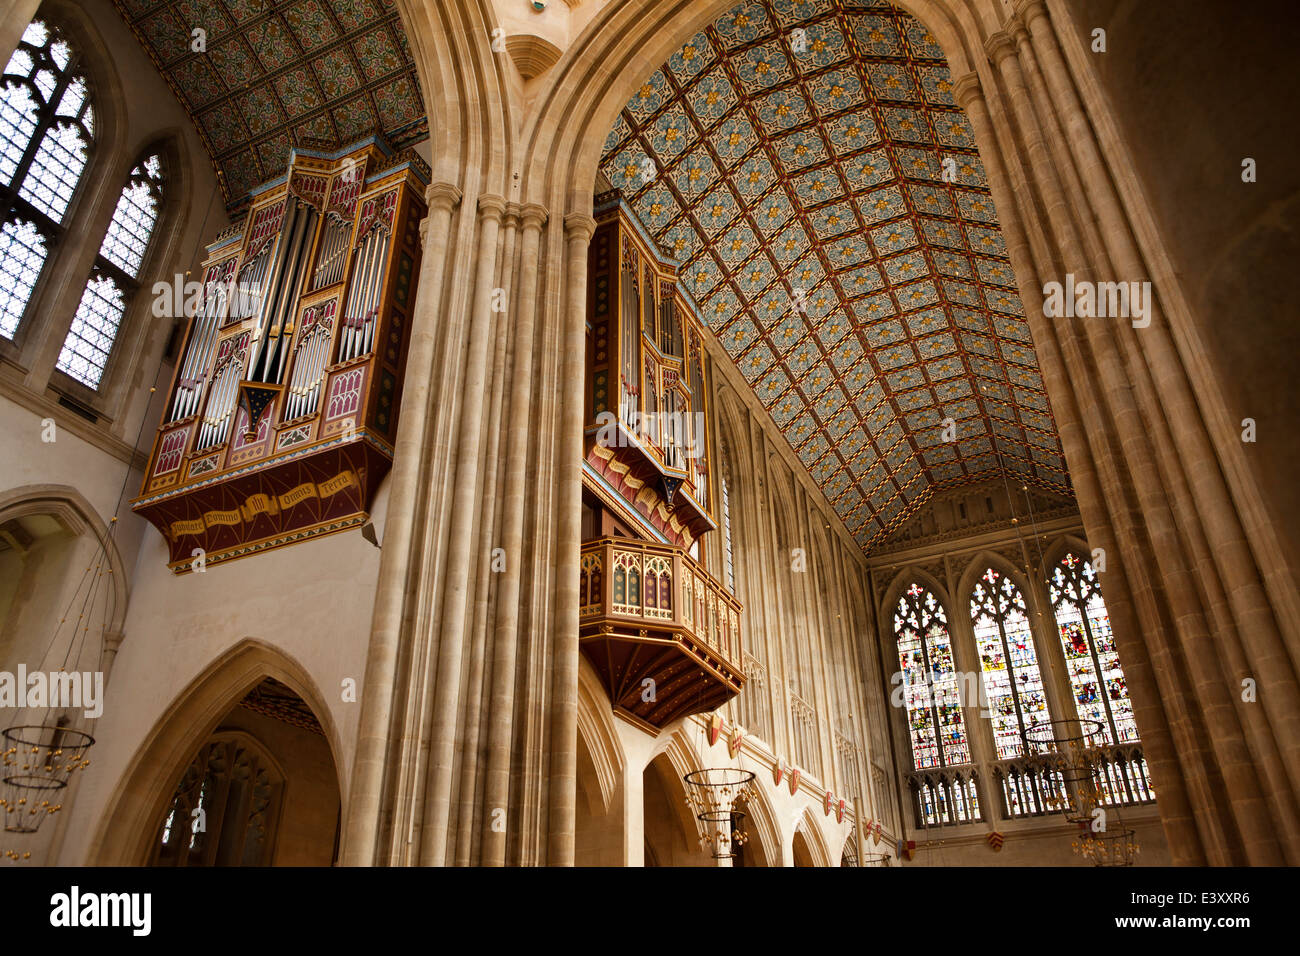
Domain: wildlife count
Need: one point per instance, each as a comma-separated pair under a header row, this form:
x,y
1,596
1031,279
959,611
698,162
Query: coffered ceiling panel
x,y
792,157
282,73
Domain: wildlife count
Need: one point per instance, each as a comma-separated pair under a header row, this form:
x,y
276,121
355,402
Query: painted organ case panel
x,y
648,609
282,414
647,416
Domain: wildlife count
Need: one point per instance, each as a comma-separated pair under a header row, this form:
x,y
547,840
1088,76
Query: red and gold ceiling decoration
x,y
792,158
282,73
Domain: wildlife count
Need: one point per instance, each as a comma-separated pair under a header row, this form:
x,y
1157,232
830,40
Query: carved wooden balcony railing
x,y
661,632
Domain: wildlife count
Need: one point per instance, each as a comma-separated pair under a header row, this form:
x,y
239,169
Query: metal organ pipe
x,y
289,301
309,368
333,257
292,247
363,297
220,404
250,282
628,332
376,291
195,366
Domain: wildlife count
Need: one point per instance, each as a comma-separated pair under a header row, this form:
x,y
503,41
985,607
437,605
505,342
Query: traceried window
x,y
114,276
929,678
47,126
1100,691
1012,680
225,808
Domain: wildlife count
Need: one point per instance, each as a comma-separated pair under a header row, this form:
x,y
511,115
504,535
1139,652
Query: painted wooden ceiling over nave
x,y
791,157
282,73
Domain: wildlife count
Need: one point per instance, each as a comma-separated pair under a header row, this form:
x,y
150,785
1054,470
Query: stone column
x,y
1152,478
439,779
505,645
471,768
562,787
1009,185
1243,630
362,827
14,17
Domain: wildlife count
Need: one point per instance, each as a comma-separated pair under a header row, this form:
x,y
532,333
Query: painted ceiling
x,y
282,73
791,157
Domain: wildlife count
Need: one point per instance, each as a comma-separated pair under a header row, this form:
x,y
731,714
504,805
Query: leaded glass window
x,y
1012,681
90,339
47,125
929,679
1100,691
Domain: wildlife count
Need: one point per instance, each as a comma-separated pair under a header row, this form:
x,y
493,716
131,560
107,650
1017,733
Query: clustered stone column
x,y
1194,609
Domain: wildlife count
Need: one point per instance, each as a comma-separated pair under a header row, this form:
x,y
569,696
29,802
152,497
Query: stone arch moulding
x,y
598,733
898,584
814,838
983,560
71,508
465,92
1056,550
683,758
140,796
762,819
624,43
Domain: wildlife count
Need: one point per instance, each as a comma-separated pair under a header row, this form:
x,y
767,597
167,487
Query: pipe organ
x,y
282,413
647,405
650,614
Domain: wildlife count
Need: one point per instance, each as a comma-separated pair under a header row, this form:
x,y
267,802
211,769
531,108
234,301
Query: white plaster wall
x,y
312,601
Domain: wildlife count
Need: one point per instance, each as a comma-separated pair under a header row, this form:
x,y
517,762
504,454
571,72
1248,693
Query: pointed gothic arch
x,y
134,815
814,840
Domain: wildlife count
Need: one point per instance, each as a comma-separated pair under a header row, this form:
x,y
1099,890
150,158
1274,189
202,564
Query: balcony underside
x,y
688,678
287,498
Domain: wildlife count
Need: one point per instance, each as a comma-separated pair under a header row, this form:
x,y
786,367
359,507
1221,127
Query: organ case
x,y
647,408
280,421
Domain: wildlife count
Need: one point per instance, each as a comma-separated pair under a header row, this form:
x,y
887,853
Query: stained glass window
x,y
929,679
1012,681
1100,691
47,125
113,278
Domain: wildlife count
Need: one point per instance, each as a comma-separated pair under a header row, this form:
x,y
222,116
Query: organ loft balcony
x,y
663,635
281,417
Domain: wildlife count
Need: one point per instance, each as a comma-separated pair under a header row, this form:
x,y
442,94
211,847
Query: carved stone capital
x,y
1000,45
442,196
579,226
1030,10
966,89
532,215
491,208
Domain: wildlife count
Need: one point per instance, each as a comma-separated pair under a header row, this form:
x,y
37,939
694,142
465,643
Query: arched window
x,y
46,128
225,809
114,276
929,678
728,565
1100,691
1012,681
